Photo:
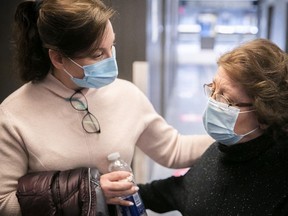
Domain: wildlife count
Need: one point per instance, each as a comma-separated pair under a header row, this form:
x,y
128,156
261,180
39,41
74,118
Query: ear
x,y
56,59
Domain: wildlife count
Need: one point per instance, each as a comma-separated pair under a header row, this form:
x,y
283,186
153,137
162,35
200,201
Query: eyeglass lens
x,y
221,98
207,90
218,97
78,101
89,122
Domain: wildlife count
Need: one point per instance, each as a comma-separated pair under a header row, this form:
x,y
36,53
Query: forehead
x,y
108,37
106,43
222,77
225,83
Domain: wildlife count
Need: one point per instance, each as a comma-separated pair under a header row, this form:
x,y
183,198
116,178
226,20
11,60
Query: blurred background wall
x,y
8,80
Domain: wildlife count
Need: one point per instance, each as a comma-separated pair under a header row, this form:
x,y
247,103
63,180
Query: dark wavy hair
x,y
261,67
73,27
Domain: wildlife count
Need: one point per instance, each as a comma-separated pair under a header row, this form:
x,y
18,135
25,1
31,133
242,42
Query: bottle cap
x,y
113,156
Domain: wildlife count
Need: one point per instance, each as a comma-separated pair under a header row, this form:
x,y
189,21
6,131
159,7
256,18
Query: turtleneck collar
x,y
58,88
246,151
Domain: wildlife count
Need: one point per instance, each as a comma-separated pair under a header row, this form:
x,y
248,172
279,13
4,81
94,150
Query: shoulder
x,y
125,89
24,100
125,84
14,96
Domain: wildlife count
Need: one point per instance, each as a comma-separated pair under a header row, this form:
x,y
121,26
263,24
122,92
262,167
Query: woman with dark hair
x,y
245,172
58,128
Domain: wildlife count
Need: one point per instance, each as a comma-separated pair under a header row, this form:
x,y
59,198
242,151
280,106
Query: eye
x,y
228,100
97,55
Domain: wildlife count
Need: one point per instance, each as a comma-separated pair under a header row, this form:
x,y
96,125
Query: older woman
x,y
245,172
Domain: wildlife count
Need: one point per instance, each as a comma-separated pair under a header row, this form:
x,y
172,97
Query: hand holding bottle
x,y
136,206
116,185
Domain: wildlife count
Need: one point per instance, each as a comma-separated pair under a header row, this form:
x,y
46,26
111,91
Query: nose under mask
x,y
219,121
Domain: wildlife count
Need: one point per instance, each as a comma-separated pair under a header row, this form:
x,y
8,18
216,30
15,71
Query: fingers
x,y
116,181
119,201
117,176
117,184
121,193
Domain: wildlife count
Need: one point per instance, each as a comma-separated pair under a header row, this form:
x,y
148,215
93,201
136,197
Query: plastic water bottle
x,y
138,209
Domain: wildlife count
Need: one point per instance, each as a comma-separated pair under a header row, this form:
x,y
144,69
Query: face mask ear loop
x,y
68,73
247,111
75,62
252,131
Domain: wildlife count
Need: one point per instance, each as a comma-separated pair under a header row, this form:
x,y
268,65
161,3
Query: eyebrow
x,y
223,89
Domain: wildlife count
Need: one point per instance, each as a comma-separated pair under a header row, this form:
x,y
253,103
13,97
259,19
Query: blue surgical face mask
x,y
219,121
99,74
